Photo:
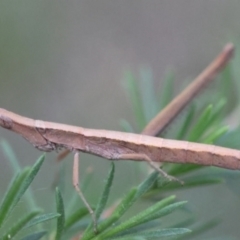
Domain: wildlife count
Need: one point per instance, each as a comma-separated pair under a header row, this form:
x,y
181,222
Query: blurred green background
x,y
64,61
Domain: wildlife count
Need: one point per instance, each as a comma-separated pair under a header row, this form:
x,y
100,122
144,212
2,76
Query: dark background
x,y
64,61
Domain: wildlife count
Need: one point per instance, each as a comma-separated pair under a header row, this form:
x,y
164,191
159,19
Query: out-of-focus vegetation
x,y
200,122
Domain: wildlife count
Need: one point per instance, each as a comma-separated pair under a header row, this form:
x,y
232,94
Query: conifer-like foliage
x,y
200,122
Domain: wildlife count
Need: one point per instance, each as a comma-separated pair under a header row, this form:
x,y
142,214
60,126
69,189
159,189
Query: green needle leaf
x,y
19,225
10,199
18,188
146,215
42,218
166,93
146,185
199,128
35,236
122,207
159,234
10,155
60,210
213,136
131,86
75,217
103,199
149,102
186,123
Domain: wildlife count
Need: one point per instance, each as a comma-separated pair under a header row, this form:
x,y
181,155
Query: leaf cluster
x,y
200,123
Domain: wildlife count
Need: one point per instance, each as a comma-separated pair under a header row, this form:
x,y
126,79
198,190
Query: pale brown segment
x,y
112,144
165,150
25,127
169,113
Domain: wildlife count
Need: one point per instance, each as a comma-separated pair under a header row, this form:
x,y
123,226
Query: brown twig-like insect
x,y
49,136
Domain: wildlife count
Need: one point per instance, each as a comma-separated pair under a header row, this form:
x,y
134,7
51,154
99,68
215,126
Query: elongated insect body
x,y
48,136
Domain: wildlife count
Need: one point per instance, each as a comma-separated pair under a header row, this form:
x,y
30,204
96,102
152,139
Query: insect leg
x,y
136,156
80,193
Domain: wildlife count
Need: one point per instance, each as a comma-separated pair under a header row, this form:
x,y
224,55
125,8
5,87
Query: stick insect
x,y
113,145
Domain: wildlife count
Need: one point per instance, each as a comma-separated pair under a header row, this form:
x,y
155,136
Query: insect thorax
x,y
47,147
